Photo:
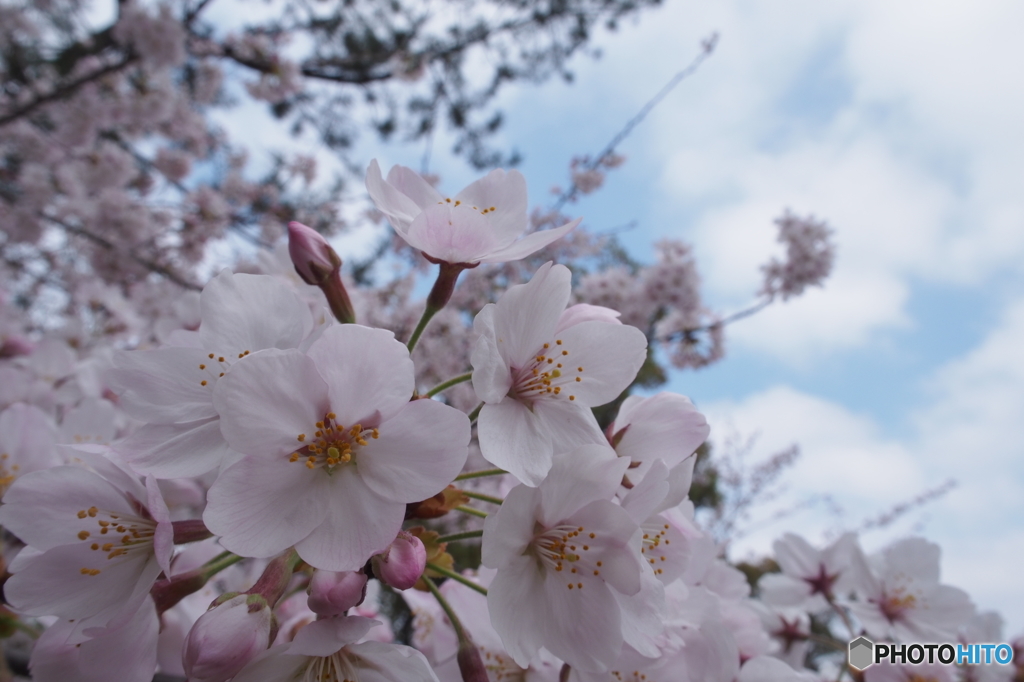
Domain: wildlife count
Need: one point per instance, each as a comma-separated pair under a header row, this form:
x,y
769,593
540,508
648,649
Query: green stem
x,y
475,413
465,535
473,512
219,563
482,497
17,623
448,384
480,474
456,623
457,577
428,313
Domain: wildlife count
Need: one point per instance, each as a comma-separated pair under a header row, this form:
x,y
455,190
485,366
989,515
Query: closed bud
x,y
312,256
401,564
332,593
227,637
470,664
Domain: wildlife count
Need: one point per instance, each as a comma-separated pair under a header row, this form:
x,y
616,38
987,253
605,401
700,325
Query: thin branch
x,y
66,90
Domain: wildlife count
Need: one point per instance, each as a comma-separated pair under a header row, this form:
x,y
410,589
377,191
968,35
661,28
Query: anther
x,y
301,437
220,359
203,382
210,356
202,366
83,534
93,511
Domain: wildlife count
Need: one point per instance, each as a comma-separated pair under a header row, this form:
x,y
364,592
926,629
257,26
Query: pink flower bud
x,y
332,593
227,637
401,564
312,256
471,665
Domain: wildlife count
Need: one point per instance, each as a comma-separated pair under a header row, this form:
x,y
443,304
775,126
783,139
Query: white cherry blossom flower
x,y
480,224
171,389
540,367
563,552
326,651
97,540
334,449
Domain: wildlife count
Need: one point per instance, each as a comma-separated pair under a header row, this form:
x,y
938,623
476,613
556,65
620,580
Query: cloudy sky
x,y
899,124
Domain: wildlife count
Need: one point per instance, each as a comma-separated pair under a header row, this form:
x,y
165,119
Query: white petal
x,y
378,662
517,602
611,355
577,478
510,438
584,312
324,637
491,375
261,507
531,243
162,385
266,402
411,184
182,450
367,370
250,313
27,437
419,452
526,314
358,524
398,207
274,664
581,626
452,234
665,426
509,530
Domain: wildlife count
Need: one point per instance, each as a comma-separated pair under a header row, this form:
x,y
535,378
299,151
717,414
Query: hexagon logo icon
x,y
862,653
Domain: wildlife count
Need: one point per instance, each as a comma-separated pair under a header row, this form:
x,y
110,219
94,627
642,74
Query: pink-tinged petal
x,y
796,556
452,234
584,312
27,438
671,555
163,535
611,355
516,601
126,653
261,507
509,530
641,501
324,637
616,544
420,451
567,425
510,438
266,402
529,244
577,478
52,583
398,207
492,377
182,450
91,421
914,557
526,314
378,662
367,370
357,524
643,616
42,507
505,192
163,385
274,664
411,184
665,426
582,626
250,313
778,589
680,479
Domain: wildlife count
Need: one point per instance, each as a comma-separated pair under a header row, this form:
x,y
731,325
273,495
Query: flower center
x,y
895,605
8,472
334,668
546,375
332,444
654,537
217,366
116,534
564,549
501,667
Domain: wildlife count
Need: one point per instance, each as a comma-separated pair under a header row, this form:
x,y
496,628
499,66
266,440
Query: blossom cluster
x,y
231,503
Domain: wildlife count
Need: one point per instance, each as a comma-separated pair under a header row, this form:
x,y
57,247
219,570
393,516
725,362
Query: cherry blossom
x,y
540,367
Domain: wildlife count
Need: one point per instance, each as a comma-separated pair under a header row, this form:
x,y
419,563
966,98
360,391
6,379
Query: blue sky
x,y
898,123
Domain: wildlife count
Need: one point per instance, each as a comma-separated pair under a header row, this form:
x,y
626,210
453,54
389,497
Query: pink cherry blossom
x,y
563,552
334,449
227,637
481,224
540,367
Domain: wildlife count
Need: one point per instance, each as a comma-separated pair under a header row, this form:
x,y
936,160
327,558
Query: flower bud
x,y
332,593
227,637
471,665
401,564
312,256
